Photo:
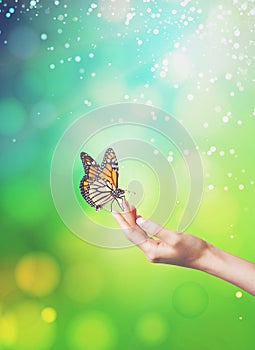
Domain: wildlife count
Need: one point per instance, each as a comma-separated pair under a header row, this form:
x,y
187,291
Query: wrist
x,y
208,259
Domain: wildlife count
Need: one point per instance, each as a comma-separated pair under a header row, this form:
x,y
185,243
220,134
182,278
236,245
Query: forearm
x,y
228,267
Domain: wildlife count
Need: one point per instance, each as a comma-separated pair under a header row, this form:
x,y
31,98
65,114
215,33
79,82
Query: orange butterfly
x,y
99,185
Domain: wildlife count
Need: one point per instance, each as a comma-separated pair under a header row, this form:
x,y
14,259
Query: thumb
x,y
152,228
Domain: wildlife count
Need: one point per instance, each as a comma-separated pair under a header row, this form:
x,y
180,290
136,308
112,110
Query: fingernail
x,y
140,220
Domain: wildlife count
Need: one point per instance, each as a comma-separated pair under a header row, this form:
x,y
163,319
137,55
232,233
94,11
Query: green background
x,y
61,60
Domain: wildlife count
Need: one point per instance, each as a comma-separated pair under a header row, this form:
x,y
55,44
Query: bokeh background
x,y
62,59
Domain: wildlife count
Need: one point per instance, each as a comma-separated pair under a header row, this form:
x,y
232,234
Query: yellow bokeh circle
x,y
49,314
92,331
37,274
152,329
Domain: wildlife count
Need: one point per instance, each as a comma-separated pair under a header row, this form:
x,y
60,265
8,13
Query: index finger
x,y
133,232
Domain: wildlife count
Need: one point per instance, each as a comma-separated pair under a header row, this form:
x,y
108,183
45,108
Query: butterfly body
x,y
99,185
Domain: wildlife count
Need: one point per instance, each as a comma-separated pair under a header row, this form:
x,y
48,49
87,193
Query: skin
x,y
161,245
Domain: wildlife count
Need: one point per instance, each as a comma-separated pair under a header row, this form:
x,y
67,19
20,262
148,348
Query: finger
x,y
125,204
153,228
133,233
129,213
120,220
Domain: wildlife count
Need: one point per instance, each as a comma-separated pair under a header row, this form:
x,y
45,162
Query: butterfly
x,y
99,185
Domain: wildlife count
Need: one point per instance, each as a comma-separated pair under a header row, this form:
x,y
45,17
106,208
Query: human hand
x,y
159,244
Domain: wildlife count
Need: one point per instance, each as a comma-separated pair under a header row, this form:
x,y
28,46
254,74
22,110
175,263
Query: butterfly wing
x,y
90,165
98,193
91,168
109,168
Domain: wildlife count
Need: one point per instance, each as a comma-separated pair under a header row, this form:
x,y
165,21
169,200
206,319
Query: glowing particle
x,y
237,32
32,3
252,12
77,59
230,174
231,236
236,46
225,188
252,182
93,74
222,153
240,318
162,74
52,66
11,10
228,76
48,314
56,2
93,6
67,45
225,119
239,294
241,187
212,148
91,55
7,15
155,151
129,18
44,36
205,125
239,122
211,187
155,31
174,12
190,97
232,151
139,42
